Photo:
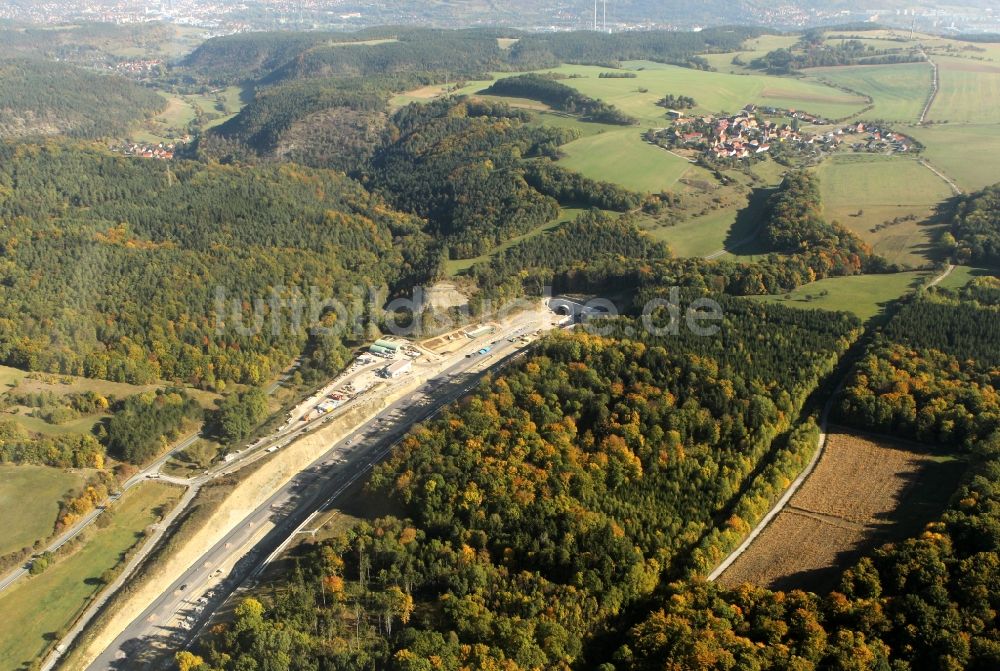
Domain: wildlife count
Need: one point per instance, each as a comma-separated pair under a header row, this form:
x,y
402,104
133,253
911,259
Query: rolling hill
x,y
40,98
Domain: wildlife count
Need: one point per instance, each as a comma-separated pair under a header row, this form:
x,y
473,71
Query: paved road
x,y
169,620
89,519
247,456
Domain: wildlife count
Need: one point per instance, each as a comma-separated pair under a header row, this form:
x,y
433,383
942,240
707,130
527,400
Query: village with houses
x,y
163,151
756,132
138,66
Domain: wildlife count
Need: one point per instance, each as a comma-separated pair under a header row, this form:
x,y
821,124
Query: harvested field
x,y
863,493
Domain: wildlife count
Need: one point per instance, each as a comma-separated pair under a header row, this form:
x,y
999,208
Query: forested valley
x,y
598,442
564,514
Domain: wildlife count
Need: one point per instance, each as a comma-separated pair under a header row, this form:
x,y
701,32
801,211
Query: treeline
x,y
185,289
471,54
144,424
677,102
931,375
587,253
43,98
572,188
923,604
273,57
587,47
975,229
239,414
18,446
541,507
350,119
806,248
58,409
559,96
246,56
793,220
810,54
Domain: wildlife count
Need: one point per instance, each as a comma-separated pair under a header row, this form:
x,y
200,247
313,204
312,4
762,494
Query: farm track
x,y
825,518
948,180
783,502
935,85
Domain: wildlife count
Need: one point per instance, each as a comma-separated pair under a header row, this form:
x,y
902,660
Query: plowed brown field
x,y
864,492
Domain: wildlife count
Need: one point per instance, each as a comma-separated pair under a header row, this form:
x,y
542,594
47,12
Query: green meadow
x,y
865,295
968,153
714,91
621,156
29,501
969,91
866,192
898,91
47,603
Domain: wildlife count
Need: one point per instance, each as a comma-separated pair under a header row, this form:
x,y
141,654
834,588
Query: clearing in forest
x,y
863,493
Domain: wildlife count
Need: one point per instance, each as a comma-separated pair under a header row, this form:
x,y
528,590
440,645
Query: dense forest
x,y
552,499
975,234
144,424
40,98
560,535
273,57
933,374
595,251
140,270
245,56
559,96
927,603
673,47
458,164
320,123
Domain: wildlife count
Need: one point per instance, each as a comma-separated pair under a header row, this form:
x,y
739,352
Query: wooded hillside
x,y
40,98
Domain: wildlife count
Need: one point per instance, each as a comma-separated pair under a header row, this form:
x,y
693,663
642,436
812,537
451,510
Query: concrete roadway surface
x,y
248,455
168,622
